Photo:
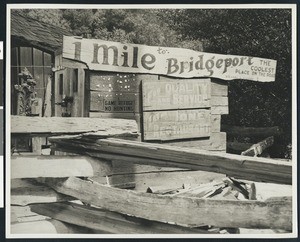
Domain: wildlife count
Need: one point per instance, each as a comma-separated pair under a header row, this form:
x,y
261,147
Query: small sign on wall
x,y
177,124
176,94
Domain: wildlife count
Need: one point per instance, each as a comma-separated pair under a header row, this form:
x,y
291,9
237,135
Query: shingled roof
x,y
37,33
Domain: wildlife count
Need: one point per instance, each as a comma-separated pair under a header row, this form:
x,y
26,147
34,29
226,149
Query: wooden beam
x,y
58,166
273,213
28,193
61,125
257,149
250,168
251,131
109,222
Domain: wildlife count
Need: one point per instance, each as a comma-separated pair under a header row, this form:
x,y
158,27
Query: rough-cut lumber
x,y
274,213
58,166
49,226
62,125
216,142
257,149
106,221
144,180
251,131
35,193
251,168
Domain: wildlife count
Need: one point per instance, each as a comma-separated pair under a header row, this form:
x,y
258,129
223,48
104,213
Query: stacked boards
x,y
180,112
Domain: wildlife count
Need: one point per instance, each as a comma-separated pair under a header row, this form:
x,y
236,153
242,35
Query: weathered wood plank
x,y
24,214
36,193
219,88
251,168
61,125
176,94
176,178
215,123
114,82
216,141
275,213
110,222
219,110
219,101
57,166
176,124
257,149
251,131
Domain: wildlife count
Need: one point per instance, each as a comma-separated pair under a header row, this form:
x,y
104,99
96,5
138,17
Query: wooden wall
x,y
183,112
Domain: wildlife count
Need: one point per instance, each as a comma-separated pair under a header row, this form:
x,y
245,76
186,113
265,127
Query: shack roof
x,y
37,33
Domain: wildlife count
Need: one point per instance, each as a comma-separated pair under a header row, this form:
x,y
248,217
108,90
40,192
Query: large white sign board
x,y
122,57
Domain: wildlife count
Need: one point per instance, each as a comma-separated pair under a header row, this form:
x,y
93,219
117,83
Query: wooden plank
x,y
219,101
78,103
57,166
252,168
148,179
275,213
114,102
114,82
176,94
219,88
61,125
71,64
219,110
37,143
49,226
215,122
110,222
257,149
36,194
216,141
176,124
251,131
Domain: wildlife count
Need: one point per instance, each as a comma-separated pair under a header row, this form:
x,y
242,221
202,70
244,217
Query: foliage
x,y
263,33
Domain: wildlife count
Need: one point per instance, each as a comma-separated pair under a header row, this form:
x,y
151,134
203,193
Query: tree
x,y
262,33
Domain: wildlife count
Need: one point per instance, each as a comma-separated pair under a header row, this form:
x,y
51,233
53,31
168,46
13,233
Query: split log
x,y
109,222
251,131
193,212
58,166
250,168
257,149
60,125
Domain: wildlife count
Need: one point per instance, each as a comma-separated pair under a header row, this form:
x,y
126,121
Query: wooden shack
x,y
177,96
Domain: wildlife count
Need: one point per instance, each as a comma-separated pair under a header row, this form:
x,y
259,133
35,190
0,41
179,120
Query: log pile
x,y
122,186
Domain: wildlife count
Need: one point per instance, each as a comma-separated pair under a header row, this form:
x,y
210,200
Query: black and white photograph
x,y
151,121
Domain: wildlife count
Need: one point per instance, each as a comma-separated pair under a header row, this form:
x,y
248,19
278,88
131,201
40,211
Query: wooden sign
x,y
114,102
131,58
176,94
176,124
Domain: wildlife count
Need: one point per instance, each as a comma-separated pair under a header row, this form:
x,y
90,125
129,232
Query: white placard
x,y
122,57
